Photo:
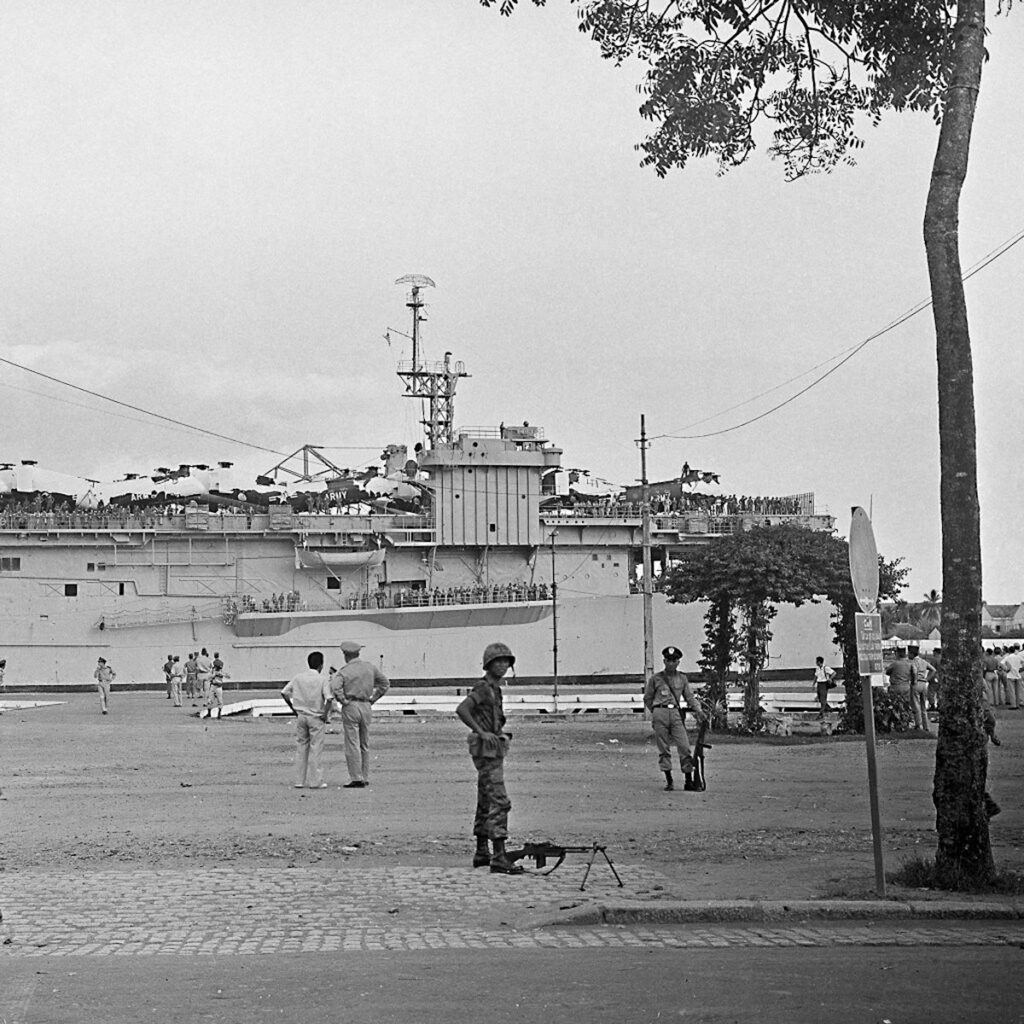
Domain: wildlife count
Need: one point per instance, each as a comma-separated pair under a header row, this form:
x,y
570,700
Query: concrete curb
x,y
769,911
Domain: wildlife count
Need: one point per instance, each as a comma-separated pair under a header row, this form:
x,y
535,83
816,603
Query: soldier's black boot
x,y
689,784
668,781
500,864
482,857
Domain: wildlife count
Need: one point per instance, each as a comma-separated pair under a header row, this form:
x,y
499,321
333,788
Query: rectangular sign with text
x,y
869,644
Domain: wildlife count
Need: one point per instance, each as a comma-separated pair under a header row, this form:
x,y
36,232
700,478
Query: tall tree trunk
x,y
757,615
852,717
964,853
717,653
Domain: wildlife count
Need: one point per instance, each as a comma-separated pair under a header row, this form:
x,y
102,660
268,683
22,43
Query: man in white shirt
x,y
1012,665
824,680
204,670
308,694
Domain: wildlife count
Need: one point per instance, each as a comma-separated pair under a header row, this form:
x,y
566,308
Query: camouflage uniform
x,y
492,801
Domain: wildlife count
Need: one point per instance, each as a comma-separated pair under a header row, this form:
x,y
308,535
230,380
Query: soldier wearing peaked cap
x,y
484,713
357,686
663,696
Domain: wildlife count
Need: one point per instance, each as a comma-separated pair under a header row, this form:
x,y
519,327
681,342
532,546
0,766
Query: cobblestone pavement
x,y
228,911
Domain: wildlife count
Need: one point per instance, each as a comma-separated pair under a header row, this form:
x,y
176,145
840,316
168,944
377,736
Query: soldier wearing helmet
x,y
483,712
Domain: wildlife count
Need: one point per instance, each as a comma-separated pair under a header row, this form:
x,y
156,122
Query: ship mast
x,y
435,381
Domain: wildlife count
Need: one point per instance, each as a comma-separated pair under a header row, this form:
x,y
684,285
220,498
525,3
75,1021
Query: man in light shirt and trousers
x,y
1012,663
357,686
308,694
923,672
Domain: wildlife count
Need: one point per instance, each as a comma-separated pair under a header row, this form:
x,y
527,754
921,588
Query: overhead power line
x,y
136,408
847,355
170,421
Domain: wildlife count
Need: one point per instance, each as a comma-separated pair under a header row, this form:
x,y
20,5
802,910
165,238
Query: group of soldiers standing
x,y
199,677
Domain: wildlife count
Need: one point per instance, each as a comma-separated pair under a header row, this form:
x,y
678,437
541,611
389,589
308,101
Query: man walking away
x,y
663,695
357,686
308,694
482,710
104,676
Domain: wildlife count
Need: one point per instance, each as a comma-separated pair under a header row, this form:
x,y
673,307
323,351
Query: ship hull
x,y
600,639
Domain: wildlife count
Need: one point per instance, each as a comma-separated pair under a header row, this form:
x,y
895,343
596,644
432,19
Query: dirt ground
x,y
151,786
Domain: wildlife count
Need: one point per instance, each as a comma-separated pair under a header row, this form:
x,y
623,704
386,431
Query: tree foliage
x,y
809,71
747,575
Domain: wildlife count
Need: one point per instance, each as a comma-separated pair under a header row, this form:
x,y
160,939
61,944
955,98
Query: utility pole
x,y
645,541
554,621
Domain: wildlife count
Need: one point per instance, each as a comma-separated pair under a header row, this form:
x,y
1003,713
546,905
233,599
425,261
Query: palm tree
x,y
931,611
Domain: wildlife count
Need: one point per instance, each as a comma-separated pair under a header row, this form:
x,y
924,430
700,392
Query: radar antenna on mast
x,y
433,381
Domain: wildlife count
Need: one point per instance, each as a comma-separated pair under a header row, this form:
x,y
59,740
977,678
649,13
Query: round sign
x,y
863,560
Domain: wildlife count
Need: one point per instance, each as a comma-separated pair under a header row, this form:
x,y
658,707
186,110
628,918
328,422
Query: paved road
x,y
641,985
251,911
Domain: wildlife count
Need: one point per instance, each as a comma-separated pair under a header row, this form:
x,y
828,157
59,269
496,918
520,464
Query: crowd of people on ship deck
x,y
289,602
41,514
707,504
404,597
44,511
472,594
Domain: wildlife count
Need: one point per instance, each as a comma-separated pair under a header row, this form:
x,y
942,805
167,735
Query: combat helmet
x,y
492,651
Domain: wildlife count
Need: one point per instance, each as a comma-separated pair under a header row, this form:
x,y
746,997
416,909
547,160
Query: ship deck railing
x,y
401,528
412,599
692,523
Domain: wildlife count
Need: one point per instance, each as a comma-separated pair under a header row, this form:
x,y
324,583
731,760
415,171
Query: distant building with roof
x,y
1002,619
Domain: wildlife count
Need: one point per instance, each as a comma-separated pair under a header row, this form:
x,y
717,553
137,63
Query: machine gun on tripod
x,y
541,853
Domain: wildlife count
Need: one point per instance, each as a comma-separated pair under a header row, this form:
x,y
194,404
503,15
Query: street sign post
x,y
864,577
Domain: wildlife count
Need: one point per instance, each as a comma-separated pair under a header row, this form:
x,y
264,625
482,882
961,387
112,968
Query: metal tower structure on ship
x,y
433,381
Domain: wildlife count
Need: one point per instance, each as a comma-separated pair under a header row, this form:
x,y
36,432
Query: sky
x,y
204,207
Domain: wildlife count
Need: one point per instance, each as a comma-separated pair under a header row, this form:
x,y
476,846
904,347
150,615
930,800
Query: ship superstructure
x,y
423,562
